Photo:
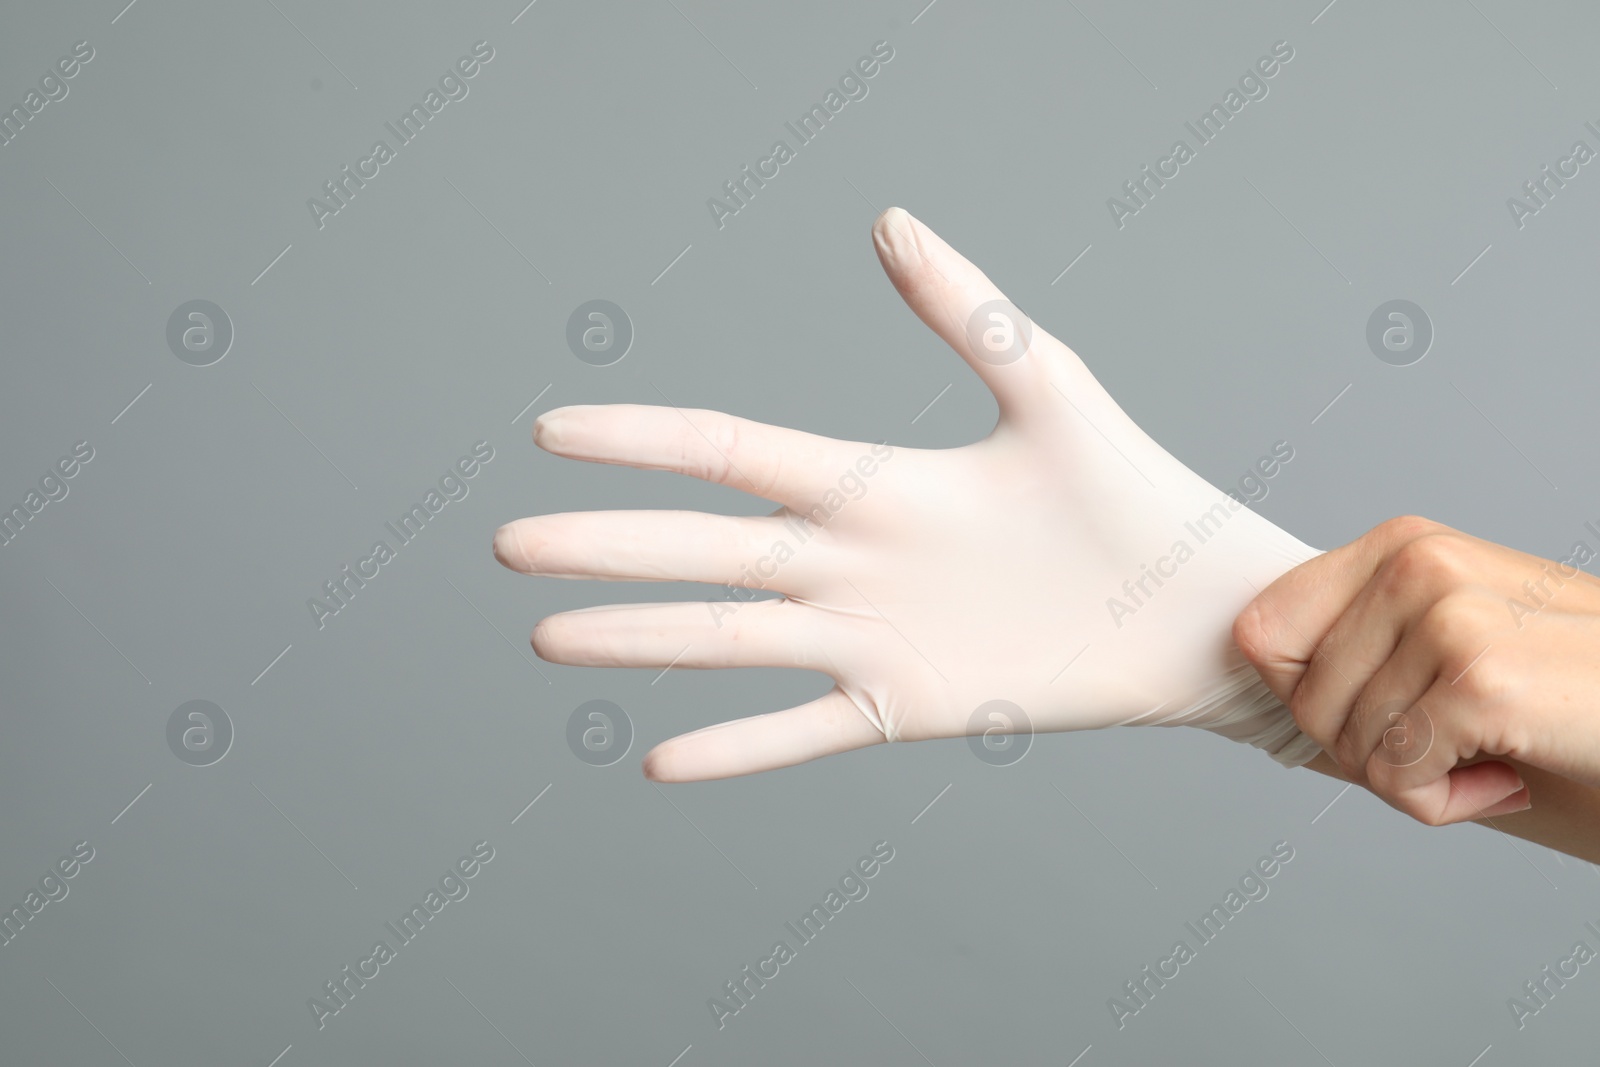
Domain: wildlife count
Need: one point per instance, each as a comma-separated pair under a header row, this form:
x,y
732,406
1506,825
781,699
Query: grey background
x,y
428,314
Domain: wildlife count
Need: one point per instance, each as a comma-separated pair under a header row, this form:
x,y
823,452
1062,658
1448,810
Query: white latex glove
x,y
930,582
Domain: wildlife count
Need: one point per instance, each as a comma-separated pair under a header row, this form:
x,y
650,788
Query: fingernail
x,y
1512,811
1502,807
895,236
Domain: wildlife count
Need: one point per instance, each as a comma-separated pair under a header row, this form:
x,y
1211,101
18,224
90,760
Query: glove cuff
x,y
1243,709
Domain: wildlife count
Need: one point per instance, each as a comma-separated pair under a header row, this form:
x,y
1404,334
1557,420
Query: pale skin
x,y
1435,669
1398,653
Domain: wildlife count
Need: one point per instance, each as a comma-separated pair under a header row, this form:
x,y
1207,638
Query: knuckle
x,y
1431,561
724,437
1484,681
771,475
1403,528
1454,627
1502,729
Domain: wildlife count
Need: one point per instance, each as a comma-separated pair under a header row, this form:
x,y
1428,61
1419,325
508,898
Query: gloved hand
x,y
927,583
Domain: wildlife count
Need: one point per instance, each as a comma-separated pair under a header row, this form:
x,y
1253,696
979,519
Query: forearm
x,y
1565,815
